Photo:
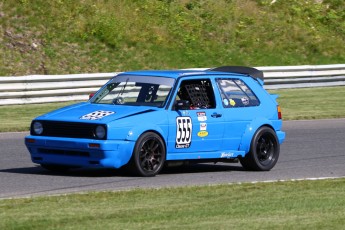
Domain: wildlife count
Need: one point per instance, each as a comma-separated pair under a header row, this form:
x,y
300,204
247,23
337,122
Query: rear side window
x,y
235,93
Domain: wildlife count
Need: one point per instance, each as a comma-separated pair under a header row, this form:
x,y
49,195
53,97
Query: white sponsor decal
x,y
201,116
203,126
226,155
183,132
245,100
97,115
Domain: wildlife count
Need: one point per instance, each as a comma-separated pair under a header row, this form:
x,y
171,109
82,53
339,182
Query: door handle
x,y
216,115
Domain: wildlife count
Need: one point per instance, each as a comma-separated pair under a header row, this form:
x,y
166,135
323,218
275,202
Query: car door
x,y
198,127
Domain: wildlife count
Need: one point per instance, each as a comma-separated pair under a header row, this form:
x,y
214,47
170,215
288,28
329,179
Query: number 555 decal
x,y
183,132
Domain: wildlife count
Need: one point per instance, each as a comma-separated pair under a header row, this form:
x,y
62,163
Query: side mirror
x,y
91,95
182,105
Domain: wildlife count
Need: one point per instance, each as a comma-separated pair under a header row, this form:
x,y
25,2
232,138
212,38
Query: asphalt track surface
x,y
313,149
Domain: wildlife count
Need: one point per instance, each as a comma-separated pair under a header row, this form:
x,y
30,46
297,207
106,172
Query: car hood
x,y
95,113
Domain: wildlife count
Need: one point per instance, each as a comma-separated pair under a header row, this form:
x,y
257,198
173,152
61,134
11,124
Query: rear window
x,y
235,93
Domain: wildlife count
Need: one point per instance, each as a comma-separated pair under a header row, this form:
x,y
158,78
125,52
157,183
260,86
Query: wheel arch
x,y
136,132
250,131
142,166
158,133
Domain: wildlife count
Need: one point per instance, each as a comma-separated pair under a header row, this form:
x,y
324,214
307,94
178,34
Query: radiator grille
x,y
68,129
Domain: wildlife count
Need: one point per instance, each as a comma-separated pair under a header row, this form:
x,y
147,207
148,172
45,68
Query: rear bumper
x,y
281,136
79,152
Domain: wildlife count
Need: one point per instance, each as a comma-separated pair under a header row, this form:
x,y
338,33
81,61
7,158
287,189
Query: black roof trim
x,y
255,73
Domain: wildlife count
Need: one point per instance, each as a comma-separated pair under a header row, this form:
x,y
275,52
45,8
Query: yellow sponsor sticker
x,y
203,134
232,102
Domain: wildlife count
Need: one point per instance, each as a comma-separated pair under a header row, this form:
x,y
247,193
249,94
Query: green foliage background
x,y
81,36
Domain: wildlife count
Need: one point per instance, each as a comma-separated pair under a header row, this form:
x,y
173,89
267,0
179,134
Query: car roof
x,y
164,73
237,71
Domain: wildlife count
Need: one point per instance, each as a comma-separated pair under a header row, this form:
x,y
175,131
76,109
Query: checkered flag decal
x,y
97,115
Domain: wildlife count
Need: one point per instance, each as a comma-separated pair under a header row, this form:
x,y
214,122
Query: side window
x,y
199,93
235,93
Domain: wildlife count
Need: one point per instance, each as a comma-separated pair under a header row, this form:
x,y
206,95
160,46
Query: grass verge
x,y
18,117
280,205
308,103
312,103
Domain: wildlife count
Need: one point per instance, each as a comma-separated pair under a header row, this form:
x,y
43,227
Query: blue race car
x,y
142,120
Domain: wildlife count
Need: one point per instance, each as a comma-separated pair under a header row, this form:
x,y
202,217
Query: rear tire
x,y
264,151
148,155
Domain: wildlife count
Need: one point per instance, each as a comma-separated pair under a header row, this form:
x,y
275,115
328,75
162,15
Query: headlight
x,y
100,132
37,127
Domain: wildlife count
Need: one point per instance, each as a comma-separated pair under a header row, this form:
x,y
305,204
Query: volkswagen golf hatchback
x,y
143,119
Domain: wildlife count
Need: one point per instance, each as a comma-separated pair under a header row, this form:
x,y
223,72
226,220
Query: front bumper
x,y
77,152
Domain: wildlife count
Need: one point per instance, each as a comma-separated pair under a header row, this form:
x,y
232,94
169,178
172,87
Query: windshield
x,y
135,90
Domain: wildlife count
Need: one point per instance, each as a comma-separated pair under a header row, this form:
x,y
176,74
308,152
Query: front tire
x,y
264,151
148,155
